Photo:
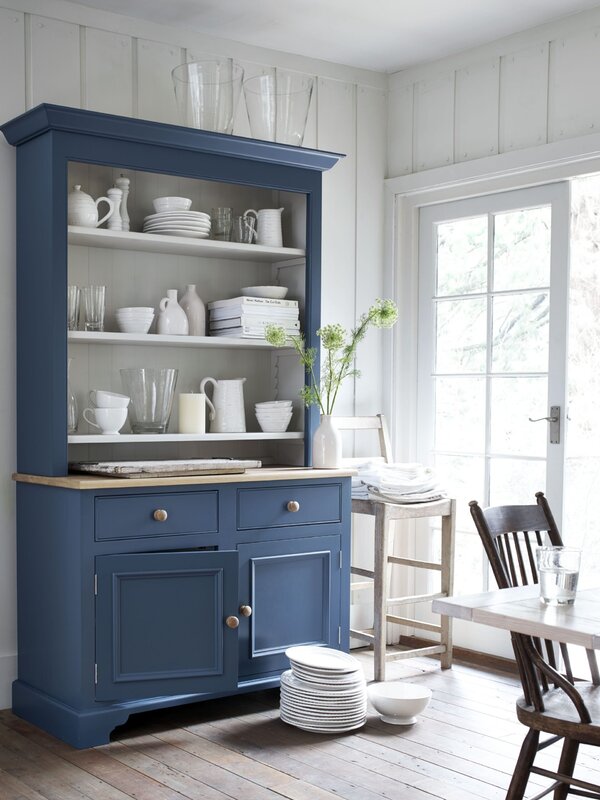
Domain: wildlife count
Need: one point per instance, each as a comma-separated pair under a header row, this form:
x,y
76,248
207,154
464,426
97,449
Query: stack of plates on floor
x,y
194,224
324,691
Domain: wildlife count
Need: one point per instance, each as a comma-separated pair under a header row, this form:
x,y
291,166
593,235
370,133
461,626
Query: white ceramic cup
x,y
192,413
103,399
109,420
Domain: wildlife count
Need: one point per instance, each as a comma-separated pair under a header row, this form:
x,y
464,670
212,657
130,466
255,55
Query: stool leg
x,y
448,526
381,566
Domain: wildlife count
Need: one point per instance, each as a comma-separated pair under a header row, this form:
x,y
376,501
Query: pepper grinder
x,y
123,184
114,221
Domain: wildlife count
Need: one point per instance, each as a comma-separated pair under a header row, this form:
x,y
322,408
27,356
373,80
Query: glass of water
x,y
558,569
93,307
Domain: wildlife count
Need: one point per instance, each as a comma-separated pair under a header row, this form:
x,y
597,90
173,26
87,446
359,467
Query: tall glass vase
x,y
72,413
327,444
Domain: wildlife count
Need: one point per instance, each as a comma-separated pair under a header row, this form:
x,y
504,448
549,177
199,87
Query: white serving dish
x,y
399,703
270,292
171,204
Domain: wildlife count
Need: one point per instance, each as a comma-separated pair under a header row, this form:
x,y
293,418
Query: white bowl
x,y
136,310
171,204
399,703
274,427
135,317
272,292
273,403
140,326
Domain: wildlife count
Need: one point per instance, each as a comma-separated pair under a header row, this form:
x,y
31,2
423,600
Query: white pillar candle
x,y
192,413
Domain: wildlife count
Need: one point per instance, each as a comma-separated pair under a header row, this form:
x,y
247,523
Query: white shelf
x,y
160,340
123,438
179,245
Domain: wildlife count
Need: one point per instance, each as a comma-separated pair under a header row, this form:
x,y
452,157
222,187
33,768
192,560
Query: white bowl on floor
x,y
397,702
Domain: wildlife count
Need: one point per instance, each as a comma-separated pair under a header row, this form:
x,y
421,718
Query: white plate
x,y
321,690
180,232
184,225
169,215
298,704
322,658
321,728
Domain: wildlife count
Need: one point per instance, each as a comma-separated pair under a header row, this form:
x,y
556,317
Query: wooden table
x,y
521,611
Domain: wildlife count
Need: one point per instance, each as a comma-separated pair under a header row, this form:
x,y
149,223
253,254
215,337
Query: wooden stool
x,y
385,515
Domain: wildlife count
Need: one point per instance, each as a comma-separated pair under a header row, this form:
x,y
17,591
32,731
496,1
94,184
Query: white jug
x,y
83,209
268,226
228,401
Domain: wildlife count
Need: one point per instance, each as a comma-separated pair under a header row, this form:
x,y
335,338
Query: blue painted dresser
x,y
141,594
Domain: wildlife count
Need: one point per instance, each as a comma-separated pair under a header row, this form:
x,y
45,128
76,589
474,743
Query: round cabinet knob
x,y
160,515
232,622
246,611
293,505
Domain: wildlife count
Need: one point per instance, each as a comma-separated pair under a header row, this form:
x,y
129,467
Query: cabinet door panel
x,y
294,590
160,624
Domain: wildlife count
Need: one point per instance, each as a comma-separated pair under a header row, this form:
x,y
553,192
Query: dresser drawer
x,y
284,506
133,516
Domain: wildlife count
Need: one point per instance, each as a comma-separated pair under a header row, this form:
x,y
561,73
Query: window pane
x,y
468,564
515,482
461,335
460,414
513,401
522,249
520,333
462,256
463,478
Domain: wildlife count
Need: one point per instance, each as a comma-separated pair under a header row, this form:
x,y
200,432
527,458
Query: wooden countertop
x,y
251,475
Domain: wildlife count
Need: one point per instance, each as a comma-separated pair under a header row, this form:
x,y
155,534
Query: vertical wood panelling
x,y
12,63
433,134
108,72
476,111
54,62
524,98
155,93
400,131
574,98
337,132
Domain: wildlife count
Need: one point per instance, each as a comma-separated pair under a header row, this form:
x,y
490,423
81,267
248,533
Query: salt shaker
x,y
123,184
114,221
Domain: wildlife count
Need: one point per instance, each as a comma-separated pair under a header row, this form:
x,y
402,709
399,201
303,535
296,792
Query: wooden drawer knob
x,y
293,506
246,611
232,622
160,515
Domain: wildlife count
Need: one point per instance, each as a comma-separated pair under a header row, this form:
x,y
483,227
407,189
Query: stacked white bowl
x,y
135,319
274,415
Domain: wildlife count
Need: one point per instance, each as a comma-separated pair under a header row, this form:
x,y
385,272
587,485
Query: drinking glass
x,y
72,308
277,102
558,569
207,93
244,230
221,221
93,307
151,392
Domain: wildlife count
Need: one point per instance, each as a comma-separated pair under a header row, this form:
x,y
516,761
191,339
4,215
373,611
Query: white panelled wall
x,y
57,52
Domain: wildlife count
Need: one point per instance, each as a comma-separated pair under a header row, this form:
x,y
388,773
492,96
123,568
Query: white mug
x,y
103,399
192,412
109,420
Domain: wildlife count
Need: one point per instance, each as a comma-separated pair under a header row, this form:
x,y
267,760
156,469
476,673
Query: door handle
x,y
554,420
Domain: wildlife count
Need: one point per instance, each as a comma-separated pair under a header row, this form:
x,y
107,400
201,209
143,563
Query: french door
x,y
493,295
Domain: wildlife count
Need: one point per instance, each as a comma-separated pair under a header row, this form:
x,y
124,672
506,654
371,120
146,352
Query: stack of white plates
x,y
324,691
194,224
135,319
274,416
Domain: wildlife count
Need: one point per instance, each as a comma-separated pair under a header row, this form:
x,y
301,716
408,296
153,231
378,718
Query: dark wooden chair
x,y
552,702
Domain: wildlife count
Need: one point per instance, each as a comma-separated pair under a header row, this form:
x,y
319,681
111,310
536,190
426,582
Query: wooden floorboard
x,y
464,747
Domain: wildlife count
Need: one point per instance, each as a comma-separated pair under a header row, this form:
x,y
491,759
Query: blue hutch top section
x,y
47,138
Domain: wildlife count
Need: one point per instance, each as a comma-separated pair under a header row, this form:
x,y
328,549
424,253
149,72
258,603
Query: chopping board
x,y
165,469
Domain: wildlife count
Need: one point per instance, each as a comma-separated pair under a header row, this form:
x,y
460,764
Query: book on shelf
x,y
250,302
252,322
245,332
274,314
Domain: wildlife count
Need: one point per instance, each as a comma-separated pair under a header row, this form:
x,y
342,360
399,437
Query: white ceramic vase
x,y
171,318
327,444
195,311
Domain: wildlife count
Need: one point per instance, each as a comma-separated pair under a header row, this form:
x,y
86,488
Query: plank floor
x,y
464,747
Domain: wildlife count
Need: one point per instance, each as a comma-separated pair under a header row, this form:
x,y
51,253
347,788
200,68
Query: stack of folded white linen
x,y
395,483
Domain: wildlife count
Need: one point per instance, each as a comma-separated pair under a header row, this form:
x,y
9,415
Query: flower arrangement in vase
x,y
338,364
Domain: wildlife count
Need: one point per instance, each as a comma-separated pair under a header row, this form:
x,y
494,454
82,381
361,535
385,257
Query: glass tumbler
x,y
244,230
558,569
94,299
207,93
277,102
221,221
72,308
151,392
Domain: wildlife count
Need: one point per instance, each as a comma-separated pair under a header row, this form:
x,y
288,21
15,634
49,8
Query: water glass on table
x,y
94,298
558,569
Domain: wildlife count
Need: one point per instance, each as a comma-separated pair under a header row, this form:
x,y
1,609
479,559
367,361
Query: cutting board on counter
x,y
165,469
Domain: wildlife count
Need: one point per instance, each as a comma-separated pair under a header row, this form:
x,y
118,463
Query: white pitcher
x,y
228,402
82,209
268,226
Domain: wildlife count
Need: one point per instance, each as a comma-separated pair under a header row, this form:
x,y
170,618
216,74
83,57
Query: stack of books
x,y
247,317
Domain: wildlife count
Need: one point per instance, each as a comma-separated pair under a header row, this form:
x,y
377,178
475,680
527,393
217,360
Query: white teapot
x,y
83,209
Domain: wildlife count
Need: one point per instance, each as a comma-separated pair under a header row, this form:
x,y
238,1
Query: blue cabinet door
x,y
293,588
160,624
